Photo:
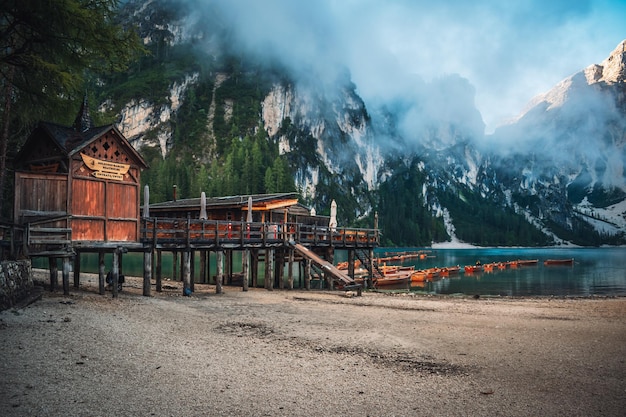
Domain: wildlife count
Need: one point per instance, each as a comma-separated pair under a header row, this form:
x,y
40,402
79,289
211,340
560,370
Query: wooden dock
x,y
277,245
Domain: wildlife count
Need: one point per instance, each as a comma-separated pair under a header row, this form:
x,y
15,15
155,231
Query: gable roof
x,y
71,141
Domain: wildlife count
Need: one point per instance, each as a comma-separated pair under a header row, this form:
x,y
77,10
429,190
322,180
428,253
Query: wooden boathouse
x,y
77,190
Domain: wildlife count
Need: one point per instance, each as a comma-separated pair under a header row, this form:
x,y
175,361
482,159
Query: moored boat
x,y
527,262
392,281
569,261
471,269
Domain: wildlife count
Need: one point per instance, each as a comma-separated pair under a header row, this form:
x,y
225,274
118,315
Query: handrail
x,y
189,232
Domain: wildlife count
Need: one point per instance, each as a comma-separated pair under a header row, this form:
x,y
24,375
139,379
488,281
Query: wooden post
x,y
269,269
101,272
219,274
330,257
159,271
174,266
186,264
228,267
351,263
290,270
147,271
192,270
67,269
203,271
245,266
254,253
77,270
368,282
280,266
307,274
54,273
115,272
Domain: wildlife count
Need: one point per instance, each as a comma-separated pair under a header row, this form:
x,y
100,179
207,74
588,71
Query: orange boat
x,y
419,276
449,270
392,281
559,261
471,269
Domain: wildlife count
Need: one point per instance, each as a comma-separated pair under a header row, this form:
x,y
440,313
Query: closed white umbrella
x,y
333,215
203,215
249,218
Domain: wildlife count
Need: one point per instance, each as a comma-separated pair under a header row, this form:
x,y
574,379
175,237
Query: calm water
x,y
595,272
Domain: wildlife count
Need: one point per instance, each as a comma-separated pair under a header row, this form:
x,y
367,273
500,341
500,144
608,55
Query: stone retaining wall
x,y
15,282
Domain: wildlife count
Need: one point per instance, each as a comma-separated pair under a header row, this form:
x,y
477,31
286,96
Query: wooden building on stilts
x,y
77,190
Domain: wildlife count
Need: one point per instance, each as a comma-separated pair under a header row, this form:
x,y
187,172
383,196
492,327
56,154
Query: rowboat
x,y
392,281
527,262
419,276
449,270
559,261
470,269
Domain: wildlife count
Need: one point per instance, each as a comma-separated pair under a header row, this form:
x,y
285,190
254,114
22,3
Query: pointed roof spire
x,y
83,121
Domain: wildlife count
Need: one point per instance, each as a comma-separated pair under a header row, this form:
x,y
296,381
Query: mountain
x,y
571,141
213,117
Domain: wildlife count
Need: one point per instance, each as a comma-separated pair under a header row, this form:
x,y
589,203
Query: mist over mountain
x,y
228,111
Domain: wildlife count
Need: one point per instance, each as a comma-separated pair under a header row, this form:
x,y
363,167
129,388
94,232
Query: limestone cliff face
x,y
336,123
145,124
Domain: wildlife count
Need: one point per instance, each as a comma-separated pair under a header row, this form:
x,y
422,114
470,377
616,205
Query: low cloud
x,y
399,49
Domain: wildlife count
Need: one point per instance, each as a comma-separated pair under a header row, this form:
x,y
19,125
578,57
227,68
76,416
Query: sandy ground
x,y
291,353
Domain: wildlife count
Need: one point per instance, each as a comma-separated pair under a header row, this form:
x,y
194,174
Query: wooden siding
x,y
88,229
122,230
38,194
88,197
122,202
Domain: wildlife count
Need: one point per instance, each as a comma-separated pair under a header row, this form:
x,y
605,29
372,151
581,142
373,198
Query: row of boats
x,y
398,276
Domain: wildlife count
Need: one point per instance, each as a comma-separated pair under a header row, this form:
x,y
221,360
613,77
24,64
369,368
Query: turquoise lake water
x,y
595,272
598,271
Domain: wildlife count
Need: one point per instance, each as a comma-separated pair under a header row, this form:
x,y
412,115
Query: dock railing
x,y
169,232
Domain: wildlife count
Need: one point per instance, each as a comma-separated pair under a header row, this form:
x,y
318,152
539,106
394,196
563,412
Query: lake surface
x,y
598,271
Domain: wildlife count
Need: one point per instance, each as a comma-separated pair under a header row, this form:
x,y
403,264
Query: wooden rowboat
x,y
559,261
471,269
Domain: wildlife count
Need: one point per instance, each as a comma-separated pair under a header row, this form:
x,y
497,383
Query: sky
x,y
508,50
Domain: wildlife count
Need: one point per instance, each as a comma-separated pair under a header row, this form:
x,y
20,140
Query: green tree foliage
x,y
482,222
403,215
46,50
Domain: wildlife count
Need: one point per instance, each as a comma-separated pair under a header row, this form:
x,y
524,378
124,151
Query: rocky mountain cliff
x,y
554,175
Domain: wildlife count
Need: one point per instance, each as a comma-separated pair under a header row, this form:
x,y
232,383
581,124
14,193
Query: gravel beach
x,y
310,353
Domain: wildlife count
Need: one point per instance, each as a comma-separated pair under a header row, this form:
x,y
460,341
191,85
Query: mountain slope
x,y
214,119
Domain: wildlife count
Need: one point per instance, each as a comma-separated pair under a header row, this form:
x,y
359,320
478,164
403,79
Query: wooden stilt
x,y
77,270
174,266
219,275
245,266
192,270
101,272
159,271
54,273
147,271
228,267
254,254
280,268
351,263
269,269
186,276
203,271
290,271
67,270
115,272
307,274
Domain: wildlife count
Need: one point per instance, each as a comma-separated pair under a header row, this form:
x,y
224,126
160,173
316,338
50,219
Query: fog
x,y
394,49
